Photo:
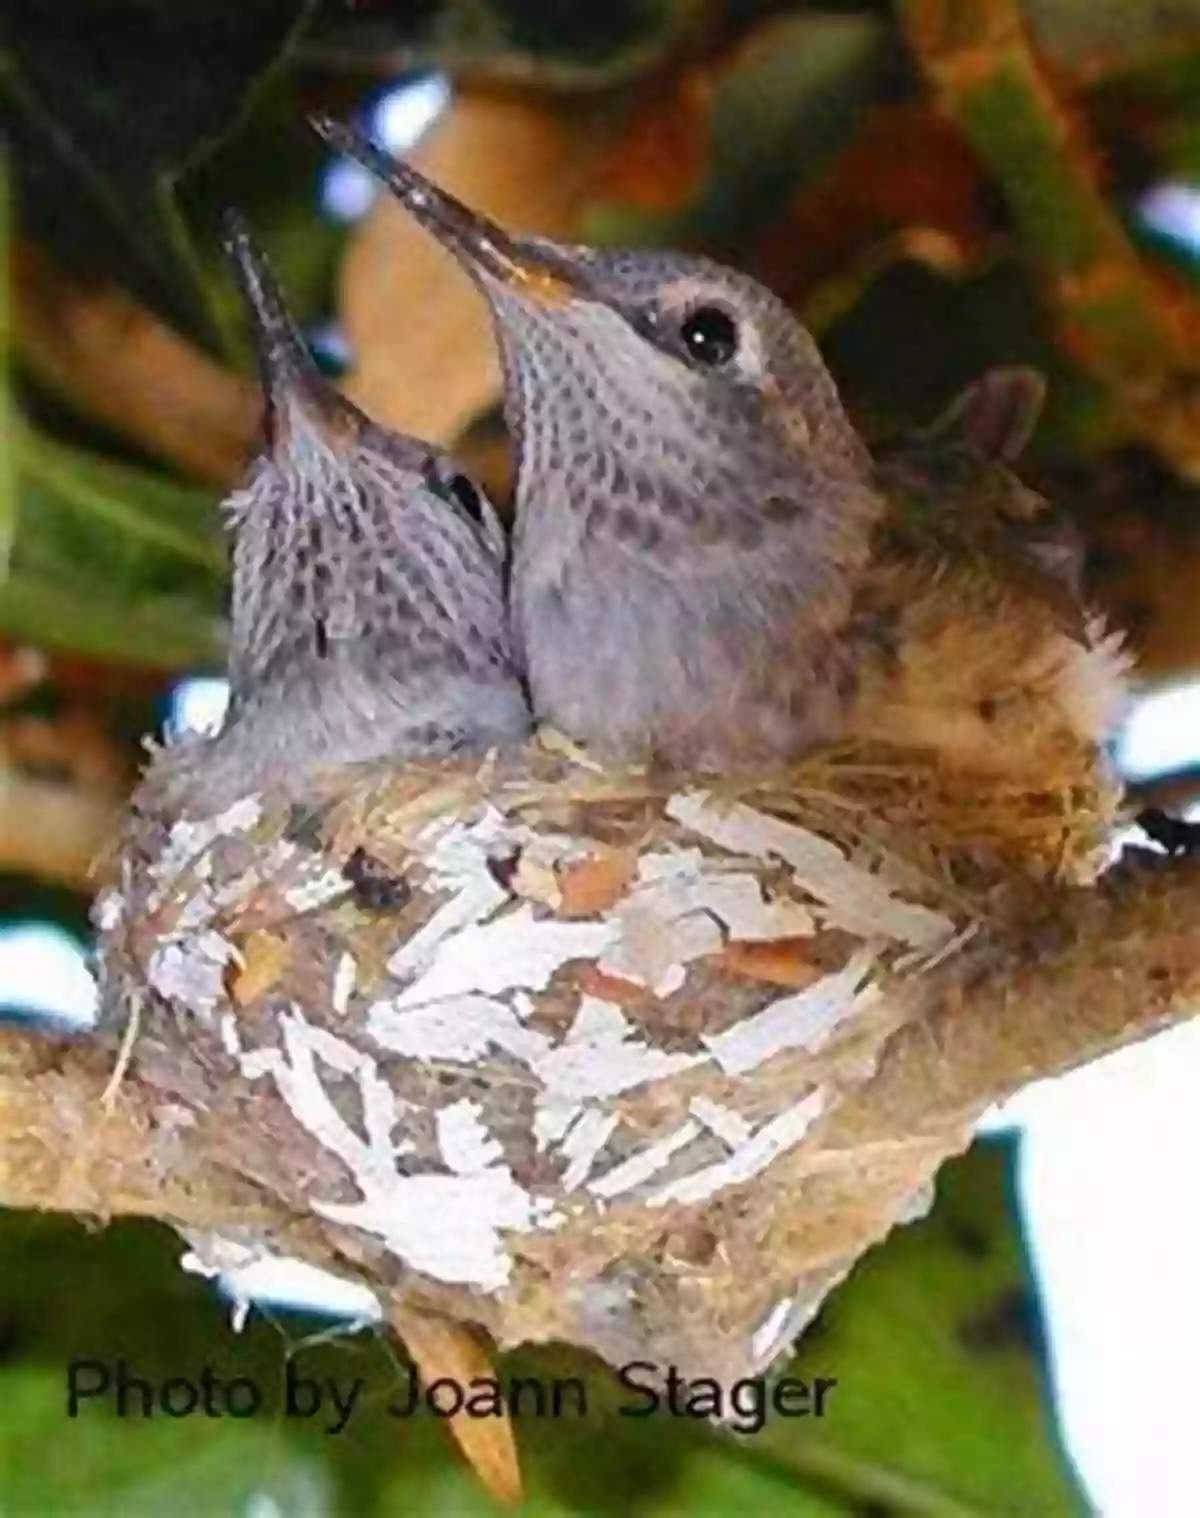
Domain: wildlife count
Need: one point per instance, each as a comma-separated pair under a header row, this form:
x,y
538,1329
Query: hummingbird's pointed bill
x,y
485,249
290,376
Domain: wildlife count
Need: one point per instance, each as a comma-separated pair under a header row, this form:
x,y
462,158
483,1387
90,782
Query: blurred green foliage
x,y
939,1410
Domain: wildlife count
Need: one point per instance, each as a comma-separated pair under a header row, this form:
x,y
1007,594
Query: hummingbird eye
x,y
463,491
710,336
457,490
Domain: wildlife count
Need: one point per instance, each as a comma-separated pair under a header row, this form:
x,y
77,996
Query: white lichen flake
x,y
583,1144
749,1159
854,899
465,1143
457,1028
515,951
189,840
470,1209
191,972
465,989
345,977
632,1172
323,886
803,1020
600,1057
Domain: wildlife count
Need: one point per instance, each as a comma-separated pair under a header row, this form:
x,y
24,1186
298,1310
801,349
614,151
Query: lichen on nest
x,y
551,1049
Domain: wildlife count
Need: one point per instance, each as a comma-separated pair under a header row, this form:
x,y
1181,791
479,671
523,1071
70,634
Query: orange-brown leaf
x,y
661,161
265,957
440,1347
593,885
780,962
110,357
424,354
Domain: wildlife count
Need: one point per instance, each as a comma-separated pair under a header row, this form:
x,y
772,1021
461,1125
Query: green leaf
x,y
942,1405
1090,35
105,106
788,103
533,41
8,481
112,561
939,1410
206,1469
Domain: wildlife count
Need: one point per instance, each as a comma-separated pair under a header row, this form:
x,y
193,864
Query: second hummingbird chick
x,y
369,615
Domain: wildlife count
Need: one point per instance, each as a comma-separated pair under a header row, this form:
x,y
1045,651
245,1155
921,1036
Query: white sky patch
x,y
198,706
854,899
43,971
1162,732
803,1020
212,1253
404,114
1173,209
286,1283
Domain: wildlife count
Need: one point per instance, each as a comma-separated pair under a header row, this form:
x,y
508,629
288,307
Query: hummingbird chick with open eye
x,y
694,508
369,615
709,566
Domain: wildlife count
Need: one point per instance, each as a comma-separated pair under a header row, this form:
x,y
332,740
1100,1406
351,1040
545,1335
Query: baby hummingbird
x,y
709,565
369,617
693,506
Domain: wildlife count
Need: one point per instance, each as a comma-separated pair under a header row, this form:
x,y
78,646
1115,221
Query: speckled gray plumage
x,y
686,540
369,615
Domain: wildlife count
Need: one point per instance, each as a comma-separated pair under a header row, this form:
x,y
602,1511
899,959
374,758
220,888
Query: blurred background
x,y
936,187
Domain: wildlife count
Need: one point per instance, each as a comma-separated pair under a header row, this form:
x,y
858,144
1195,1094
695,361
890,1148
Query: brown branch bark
x,y
109,356
51,830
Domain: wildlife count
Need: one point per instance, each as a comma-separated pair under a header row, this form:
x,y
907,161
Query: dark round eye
x,y
710,335
464,492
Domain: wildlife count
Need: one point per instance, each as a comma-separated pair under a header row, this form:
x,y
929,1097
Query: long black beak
x,y
289,372
483,248
283,355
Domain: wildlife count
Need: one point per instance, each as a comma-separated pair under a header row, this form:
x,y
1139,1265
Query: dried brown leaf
x,y
104,353
425,358
265,957
593,885
442,1348
780,962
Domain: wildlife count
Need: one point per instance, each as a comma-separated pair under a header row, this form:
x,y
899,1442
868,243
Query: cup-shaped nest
x,y
566,1053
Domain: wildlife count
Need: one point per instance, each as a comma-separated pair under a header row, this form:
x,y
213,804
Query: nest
x,y
559,1052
